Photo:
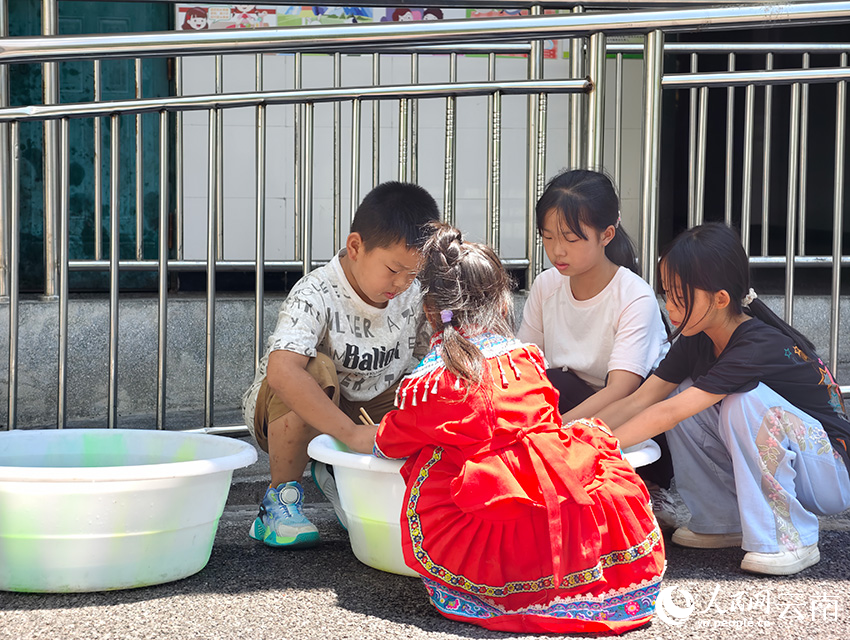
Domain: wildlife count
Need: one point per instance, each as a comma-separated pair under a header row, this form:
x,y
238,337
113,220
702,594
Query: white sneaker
x,y
782,563
684,537
324,478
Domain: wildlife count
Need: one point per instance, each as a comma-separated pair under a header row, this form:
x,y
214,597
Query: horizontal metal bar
x,y
291,96
724,48
291,265
471,48
378,35
760,78
234,430
799,261
223,265
546,4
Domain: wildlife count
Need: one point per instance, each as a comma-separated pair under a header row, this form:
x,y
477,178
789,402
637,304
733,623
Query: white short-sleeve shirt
x,y
620,328
371,348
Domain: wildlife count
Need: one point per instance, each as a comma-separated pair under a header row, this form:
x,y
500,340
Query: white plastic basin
x,y
98,509
371,492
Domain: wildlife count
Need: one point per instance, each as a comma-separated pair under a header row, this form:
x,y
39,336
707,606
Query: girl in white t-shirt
x,y
597,321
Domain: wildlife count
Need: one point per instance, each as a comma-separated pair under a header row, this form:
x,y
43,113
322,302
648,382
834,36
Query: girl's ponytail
x,y
621,251
461,357
589,197
760,310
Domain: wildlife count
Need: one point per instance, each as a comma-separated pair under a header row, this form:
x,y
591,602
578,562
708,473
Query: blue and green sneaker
x,y
280,522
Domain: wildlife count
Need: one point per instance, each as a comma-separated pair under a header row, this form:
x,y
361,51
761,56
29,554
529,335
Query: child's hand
x,y
362,438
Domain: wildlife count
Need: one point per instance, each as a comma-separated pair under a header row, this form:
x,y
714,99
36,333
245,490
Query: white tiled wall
x,y
471,173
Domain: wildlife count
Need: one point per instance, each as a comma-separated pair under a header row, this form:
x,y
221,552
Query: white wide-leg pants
x,y
755,463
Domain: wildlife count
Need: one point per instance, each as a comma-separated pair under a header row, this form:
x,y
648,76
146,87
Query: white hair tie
x,y
748,299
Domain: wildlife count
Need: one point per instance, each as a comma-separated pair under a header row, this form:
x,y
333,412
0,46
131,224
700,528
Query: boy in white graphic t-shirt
x,y
345,336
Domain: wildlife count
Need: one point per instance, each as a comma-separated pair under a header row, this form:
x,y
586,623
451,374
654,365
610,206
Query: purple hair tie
x,y
446,315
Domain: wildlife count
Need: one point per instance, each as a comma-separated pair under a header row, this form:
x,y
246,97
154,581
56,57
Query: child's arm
x,y
289,380
620,384
651,392
664,415
531,328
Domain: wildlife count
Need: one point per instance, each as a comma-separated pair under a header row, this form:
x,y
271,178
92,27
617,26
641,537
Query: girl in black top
x,y
755,421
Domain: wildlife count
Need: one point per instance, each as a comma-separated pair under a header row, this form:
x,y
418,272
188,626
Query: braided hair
x,y
466,279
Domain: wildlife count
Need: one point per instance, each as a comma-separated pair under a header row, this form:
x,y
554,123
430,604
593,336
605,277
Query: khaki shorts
x,y
321,368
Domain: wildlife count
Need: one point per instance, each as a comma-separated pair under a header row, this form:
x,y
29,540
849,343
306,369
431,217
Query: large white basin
x,y
371,492
97,509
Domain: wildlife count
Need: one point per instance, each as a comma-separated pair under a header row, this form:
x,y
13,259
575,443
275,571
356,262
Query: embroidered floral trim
x,y
376,451
776,426
632,603
431,369
575,579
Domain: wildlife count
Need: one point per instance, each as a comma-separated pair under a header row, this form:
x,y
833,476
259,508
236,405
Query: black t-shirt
x,y
758,352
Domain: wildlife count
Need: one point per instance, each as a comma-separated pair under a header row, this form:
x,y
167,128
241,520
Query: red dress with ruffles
x,y
516,522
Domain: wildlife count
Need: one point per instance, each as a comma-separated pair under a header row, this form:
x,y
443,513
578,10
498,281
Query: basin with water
x,y
371,492
99,509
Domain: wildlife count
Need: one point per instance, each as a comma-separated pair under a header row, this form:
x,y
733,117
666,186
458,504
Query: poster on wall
x,y
337,15
198,17
550,47
189,17
241,16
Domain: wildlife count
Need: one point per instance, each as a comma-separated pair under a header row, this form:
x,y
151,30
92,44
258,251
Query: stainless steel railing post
x,y
5,161
837,216
653,71
64,219
747,177
492,200
730,145
140,168
14,270
766,160
337,158
793,190
260,239
595,132
449,169
804,153
162,273
213,180
50,92
535,165
114,255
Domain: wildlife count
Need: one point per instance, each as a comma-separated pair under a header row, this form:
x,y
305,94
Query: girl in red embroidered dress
x,y
514,521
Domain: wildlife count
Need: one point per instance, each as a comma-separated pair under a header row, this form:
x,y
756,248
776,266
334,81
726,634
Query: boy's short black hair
x,y
394,212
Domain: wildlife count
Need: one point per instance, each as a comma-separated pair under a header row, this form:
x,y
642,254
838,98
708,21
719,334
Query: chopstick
x,y
365,418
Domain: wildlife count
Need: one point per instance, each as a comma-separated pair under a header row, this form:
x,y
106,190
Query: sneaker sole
x,y
259,532
339,519
768,569
707,543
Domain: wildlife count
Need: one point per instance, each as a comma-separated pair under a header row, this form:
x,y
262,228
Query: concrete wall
x,y
88,349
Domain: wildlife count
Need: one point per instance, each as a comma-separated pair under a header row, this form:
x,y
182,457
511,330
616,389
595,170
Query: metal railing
x,y
586,32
